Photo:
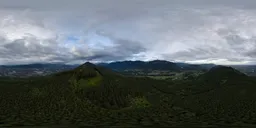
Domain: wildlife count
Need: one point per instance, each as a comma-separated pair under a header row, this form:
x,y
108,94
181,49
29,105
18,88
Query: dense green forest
x,y
92,95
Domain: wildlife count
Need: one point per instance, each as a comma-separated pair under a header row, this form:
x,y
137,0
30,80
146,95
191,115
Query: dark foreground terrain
x,y
91,95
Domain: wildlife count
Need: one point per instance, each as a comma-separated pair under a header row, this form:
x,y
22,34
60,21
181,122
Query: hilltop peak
x,y
218,67
91,68
88,64
222,73
221,70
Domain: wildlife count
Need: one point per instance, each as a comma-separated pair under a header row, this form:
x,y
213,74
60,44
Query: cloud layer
x,y
198,31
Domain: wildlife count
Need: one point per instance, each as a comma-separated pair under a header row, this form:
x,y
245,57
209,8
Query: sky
x,y
75,31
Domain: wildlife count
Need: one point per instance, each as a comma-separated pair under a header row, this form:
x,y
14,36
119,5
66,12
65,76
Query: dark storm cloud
x,y
241,45
19,49
195,53
251,53
235,49
123,49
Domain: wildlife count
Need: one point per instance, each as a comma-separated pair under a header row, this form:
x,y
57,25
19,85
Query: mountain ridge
x,y
120,66
155,65
123,65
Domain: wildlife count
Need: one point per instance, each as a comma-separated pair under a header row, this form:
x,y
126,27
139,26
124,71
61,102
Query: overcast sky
x,y
75,31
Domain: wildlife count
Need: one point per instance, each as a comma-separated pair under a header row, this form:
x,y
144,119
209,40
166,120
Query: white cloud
x,y
221,32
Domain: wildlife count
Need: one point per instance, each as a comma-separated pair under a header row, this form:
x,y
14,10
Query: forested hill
x,y
92,95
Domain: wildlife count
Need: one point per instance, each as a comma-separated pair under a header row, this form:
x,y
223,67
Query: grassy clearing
x,y
140,102
90,82
83,83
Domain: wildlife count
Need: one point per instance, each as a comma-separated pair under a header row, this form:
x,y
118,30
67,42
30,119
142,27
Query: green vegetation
x,y
90,82
94,96
36,92
139,102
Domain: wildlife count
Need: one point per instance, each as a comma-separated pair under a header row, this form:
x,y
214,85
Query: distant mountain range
x,y
155,65
38,66
160,65
125,65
